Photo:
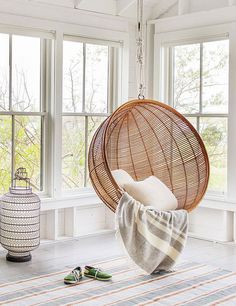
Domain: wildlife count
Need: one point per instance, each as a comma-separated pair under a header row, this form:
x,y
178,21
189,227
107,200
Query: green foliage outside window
x,y
20,135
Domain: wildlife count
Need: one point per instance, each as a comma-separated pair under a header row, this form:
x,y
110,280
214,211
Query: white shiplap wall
x,y
65,217
133,63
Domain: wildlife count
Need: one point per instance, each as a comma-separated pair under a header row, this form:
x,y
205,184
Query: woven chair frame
x,y
144,138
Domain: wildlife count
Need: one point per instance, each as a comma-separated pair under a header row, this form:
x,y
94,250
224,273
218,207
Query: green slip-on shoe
x,y
96,273
74,276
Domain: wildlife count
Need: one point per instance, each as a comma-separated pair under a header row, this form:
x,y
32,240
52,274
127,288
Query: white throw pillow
x,y
122,177
152,192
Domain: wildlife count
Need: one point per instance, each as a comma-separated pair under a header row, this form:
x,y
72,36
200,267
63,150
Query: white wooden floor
x,y
61,255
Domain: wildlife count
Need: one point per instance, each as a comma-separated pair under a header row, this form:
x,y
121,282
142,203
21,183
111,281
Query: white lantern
x,y
20,219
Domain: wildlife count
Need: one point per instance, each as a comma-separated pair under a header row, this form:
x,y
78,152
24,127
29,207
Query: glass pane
x,y
72,76
25,73
73,152
214,135
215,77
28,147
5,153
93,124
187,78
96,86
193,121
4,72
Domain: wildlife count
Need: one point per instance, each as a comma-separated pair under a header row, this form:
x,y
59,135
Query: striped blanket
x,y
153,239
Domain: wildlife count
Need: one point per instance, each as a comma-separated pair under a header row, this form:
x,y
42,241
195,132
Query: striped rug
x,y
190,284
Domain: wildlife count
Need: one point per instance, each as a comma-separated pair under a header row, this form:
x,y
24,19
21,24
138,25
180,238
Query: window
x,y
22,108
199,90
33,122
86,103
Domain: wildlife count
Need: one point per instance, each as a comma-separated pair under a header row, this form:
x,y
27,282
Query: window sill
x,y
83,200
89,199
218,204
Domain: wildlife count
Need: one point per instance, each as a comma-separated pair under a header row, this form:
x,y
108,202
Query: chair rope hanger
x,y
146,137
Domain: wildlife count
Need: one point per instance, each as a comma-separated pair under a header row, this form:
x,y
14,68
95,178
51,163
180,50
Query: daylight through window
x,y
22,111
85,106
200,92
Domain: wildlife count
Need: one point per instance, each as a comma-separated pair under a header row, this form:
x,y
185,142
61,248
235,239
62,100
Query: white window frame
x,y
45,72
55,31
200,114
51,24
114,49
114,96
162,42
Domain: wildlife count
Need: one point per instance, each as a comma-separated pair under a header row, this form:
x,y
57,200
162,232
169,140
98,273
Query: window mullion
x,y
171,69
201,74
231,162
57,117
43,56
86,117
110,89
10,109
86,152
10,72
198,124
42,155
208,115
16,113
85,114
12,146
84,77
44,81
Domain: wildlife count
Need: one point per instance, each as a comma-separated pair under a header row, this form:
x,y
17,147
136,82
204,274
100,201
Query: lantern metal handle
x,y
22,176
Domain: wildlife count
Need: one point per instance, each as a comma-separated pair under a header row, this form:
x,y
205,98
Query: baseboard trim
x,y
82,236
65,238
199,237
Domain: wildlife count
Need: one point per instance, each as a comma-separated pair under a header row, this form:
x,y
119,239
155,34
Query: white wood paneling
x,y
90,220
215,218
195,20
202,5
110,219
220,227
46,14
79,214
57,111
52,226
70,225
161,7
183,7
231,2
75,221
61,223
43,225
133,90
123,5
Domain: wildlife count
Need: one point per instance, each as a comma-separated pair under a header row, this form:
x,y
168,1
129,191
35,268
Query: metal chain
x,y
140,48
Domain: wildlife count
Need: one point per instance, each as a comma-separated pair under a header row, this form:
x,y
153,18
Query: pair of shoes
x,y
76,275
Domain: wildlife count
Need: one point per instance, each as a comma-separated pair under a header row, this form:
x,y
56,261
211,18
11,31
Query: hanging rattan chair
x,y
144,138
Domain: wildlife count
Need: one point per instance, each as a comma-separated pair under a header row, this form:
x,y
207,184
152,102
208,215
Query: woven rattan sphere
x,y
144,138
